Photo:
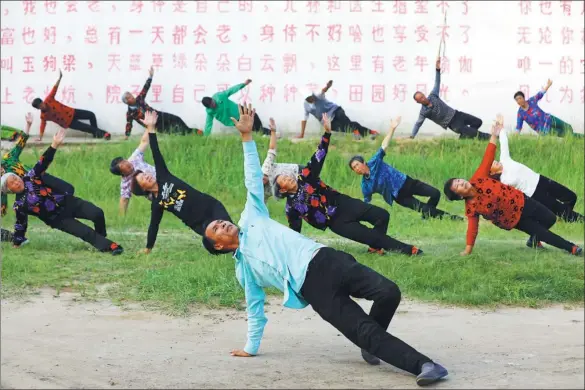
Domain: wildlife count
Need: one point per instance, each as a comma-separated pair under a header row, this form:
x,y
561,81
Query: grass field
x,y
179,273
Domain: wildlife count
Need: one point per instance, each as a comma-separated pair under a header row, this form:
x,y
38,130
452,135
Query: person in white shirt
x,y
556,197
271,169
126,168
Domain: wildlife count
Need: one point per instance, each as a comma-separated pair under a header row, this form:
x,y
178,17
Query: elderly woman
x,y
381,178
309,198
555,196
137,107
503,205
169,193
56,209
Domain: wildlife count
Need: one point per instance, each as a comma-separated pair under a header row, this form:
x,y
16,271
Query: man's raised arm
x,y
437,85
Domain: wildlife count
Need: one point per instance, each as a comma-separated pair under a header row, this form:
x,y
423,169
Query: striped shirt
x,y
438,111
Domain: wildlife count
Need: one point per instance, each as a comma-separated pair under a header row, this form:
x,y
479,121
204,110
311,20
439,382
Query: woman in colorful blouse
x,y
57,210
310,199
381,178
538,120
503,205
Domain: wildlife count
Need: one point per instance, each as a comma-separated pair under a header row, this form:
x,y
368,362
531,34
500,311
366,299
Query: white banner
x,y
378,53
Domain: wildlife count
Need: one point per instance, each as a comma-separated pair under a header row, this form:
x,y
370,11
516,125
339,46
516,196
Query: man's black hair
x,y
135,187
115,166
209,244
356,158
449,193
519,93
206,101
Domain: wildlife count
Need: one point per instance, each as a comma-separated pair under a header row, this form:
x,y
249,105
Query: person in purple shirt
x,y
382,178
538,120
56,209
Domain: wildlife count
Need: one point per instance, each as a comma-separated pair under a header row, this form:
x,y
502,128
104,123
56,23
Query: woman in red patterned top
x,y
65,116
503,205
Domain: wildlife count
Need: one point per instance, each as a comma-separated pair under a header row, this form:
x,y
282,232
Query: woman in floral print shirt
x,y
310,199
57,210
503,205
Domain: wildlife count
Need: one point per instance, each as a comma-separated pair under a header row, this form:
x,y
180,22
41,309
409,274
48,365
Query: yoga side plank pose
x,y
435,109
381,178
309,198
503,205
58,210
126,168
137,107
169,193
538,120
317,105
268,254
271,169
11,164
221,108
65,116
555,196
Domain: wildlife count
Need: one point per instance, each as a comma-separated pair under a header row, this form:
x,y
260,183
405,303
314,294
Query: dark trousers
x,y
6,235
258,126
467,126
342,123
347,223
332,278
557,198
171,124
413,187
67,221
536,221
58,185
92,128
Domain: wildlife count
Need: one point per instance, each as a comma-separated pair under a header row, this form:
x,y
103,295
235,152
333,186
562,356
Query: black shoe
x,y
116,249
369,358
416,251
530,243
456,218
430,373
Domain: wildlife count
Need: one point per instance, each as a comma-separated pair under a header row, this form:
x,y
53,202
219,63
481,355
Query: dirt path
x,y
59,342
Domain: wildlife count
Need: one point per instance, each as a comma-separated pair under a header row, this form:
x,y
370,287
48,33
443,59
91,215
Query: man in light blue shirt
x,y
317,105
269,254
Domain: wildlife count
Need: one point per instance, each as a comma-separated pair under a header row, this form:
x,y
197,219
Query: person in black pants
x,y
169,193
309,198
57,210
558,198
269,254
381,178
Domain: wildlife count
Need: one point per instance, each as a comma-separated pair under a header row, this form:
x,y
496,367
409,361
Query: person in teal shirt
x,y
220,107
268,254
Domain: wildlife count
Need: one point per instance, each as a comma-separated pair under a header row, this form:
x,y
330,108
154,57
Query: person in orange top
x,y
503,205
65,116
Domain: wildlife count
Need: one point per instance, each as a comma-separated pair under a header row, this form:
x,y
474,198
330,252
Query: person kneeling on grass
x,y
503,205
268,254
57,210
169,193
555,196
381,178
309,198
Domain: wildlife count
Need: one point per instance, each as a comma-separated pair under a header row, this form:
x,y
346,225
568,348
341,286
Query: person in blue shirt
x,y
268,254
317,105
381,178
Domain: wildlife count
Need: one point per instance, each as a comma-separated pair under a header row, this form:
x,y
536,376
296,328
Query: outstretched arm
x,y
231,90
504,147
255,298
472,230
268,164
490,153
47,157
21,224
56,86
144,141
252,169
147,83
150,121
315,165
156,214
393,125
417,125
437,86
519,121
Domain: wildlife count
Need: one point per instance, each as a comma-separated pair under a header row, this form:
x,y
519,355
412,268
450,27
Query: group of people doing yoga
x,y
219,107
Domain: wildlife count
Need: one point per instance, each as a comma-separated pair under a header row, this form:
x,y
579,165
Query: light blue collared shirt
x,y
319,107
269,254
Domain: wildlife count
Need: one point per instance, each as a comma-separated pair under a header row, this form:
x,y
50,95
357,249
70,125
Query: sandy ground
x,y
61,342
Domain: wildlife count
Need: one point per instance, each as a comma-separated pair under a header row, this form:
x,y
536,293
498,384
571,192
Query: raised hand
x,y
395,122
151,71
60,74
248,81
272,124
329,84
29,118
548,83
58,138
246,122
498,125
438,64
149,120
326,123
